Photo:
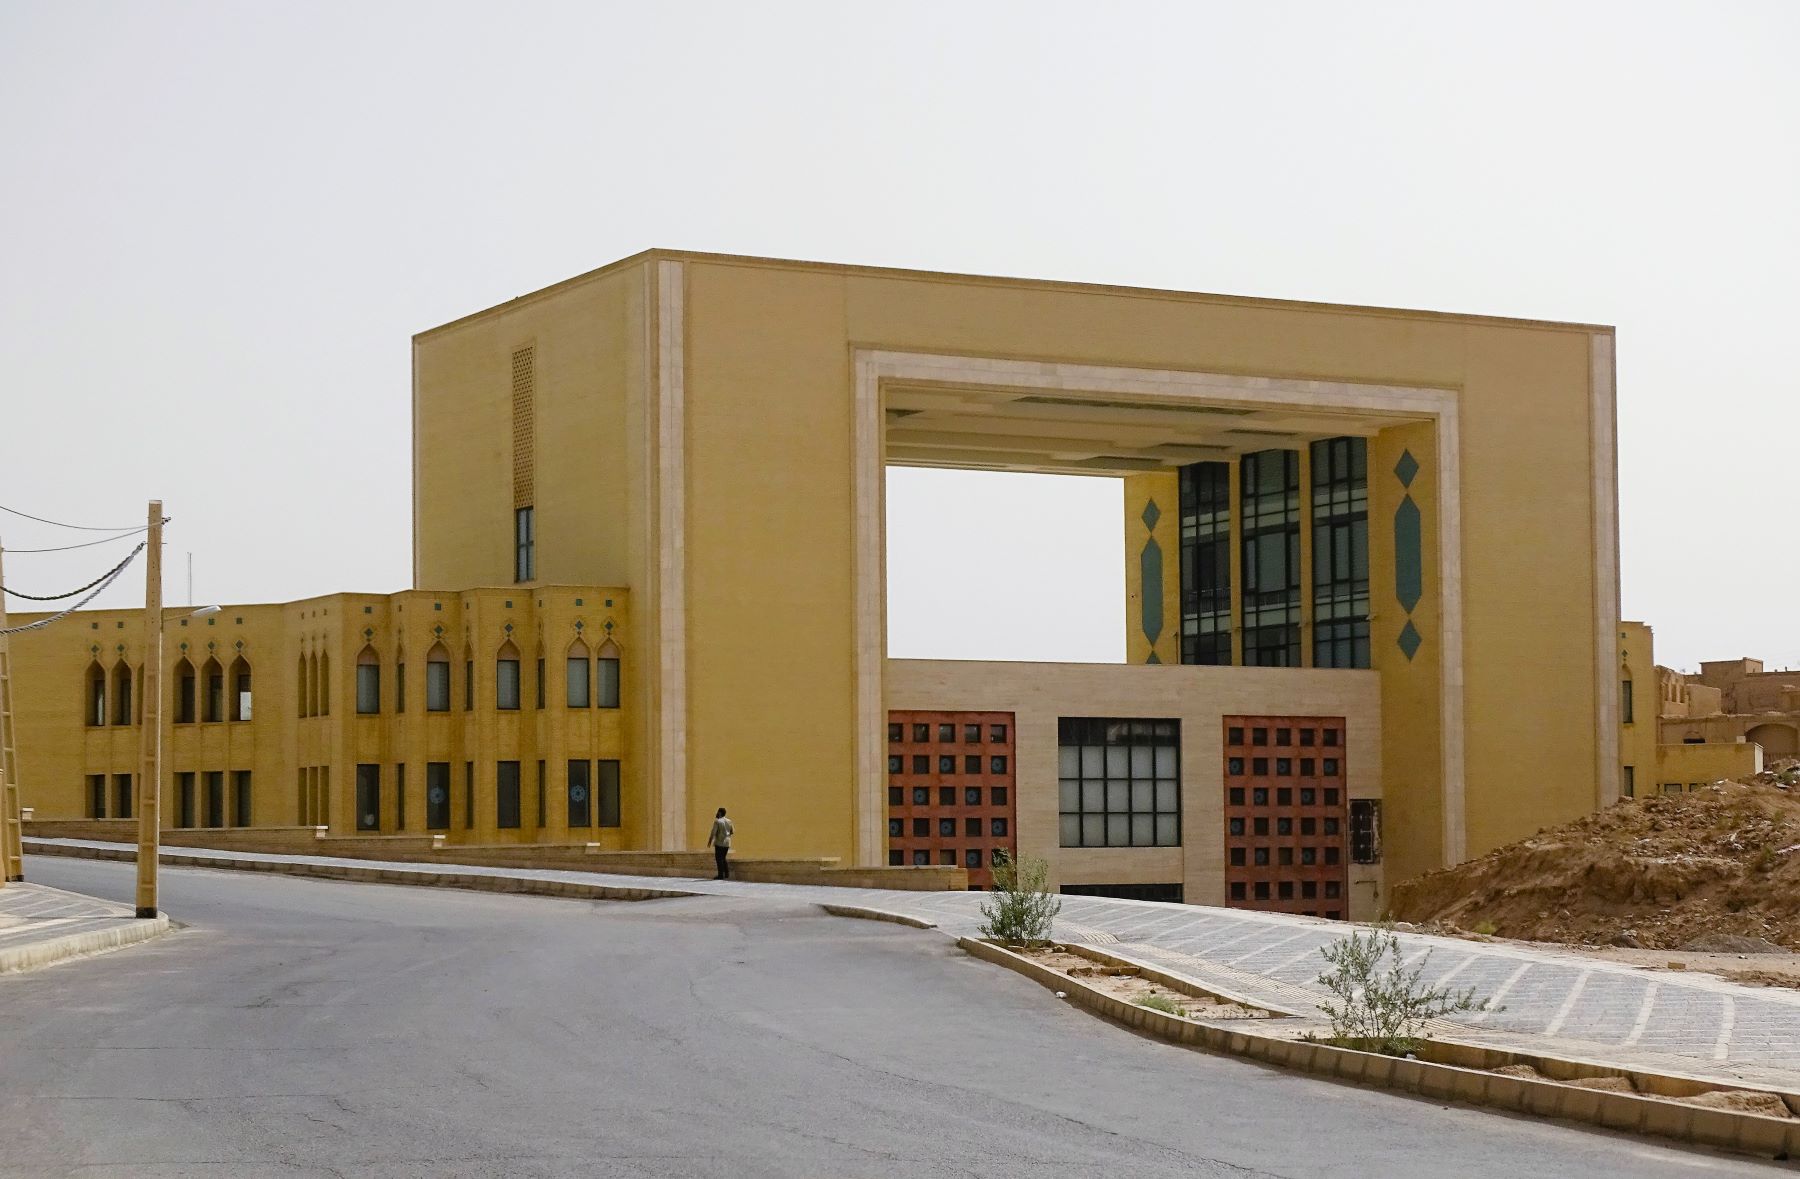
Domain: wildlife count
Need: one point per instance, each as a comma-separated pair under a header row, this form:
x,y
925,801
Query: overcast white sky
x,y
221,223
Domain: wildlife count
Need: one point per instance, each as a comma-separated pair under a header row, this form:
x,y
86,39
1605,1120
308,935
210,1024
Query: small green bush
x,y
1161,1003
1486,928
1021,910
1380,1005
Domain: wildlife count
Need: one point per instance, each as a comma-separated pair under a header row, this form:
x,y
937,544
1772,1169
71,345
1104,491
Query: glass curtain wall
x,y
1206,563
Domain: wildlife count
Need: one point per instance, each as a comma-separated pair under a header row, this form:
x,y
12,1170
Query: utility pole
x,y
12,849
150,775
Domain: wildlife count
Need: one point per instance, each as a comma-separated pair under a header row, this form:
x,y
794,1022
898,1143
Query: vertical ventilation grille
x,y
524,424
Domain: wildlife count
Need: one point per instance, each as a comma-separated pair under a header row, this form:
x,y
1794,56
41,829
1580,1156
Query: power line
x,y
96,592
85,544
59,597
58,523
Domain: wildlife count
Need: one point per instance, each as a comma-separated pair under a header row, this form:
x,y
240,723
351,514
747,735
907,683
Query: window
x,y
921,858
400,796
184,799
896,763
606,676
184,695
1270,500
368,682
1629,786
122,694
1206,563
972,828
921,732
972,858
468,795
609,794
506,681
580,796
540,794
525,544
468,681
896,732
96,796
971,763
1119,782
540,679
1365,831
438,796
997,796
96,695
215,691
240,798
1340,522
896,796
946,764
947,732
323,684
921,828
506,794
577,677
240,690
1625,700
437,680
971,734
122,796
921,795
921,763
996,733
896,828
946,796
971,796
997,765
368,797
896,858
400,684
215,798
946,827
997,826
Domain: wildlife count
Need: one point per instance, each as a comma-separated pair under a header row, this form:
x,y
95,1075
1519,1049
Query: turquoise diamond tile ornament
x,y
1410,639
1152,514
1407,469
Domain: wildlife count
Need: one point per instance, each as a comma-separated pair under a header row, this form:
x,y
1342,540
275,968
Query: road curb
x,y
130,931
878,915
1634,1113
373,874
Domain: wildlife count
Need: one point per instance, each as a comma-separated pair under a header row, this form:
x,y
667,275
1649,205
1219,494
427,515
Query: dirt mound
x,y
1722,861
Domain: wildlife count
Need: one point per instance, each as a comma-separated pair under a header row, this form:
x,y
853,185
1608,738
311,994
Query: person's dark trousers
x,y
719,854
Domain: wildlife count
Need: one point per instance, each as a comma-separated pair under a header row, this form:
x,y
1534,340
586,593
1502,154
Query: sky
x,y
220,225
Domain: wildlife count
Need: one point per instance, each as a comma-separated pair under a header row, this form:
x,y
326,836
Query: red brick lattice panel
x,y
1286,815
951,792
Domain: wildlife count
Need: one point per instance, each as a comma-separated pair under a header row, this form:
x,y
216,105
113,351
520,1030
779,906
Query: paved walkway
x,y
1555,1001
40,925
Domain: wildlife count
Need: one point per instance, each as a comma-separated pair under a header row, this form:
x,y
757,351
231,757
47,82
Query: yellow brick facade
x,y
705,435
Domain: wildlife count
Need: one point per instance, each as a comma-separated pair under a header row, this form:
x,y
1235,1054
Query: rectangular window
x,y
1365,831
1625,712
122,698
400,796
525,544
1119,782
1206,563
1340,521
437,686
368,688
540,683
468,796
506,684
1269,494
580,795
215,798
609,793
96,796
606,672
506,794
240,798
437,796
368,797
184,698
1628,787
578,681
215,693
468,685
399,687
122,796
184,799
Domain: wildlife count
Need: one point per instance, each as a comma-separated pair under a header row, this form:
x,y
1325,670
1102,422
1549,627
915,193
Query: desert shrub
x,y
1021,909
1380,1005
1161,1003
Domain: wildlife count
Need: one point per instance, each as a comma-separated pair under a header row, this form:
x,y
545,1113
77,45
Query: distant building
x,y
1371,577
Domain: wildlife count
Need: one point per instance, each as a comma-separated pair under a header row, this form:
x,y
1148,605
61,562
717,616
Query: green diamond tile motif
x,y
1409,567
1153,658
1407,469
1410,639
1150,591
1152,514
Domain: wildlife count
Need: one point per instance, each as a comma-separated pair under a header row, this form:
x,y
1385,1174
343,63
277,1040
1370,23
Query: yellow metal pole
x,y
12,849
150,772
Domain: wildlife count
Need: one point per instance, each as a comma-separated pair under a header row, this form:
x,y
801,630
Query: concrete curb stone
x,y
80,945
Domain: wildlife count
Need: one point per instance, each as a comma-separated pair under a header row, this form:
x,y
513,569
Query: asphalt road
x,y
302,1028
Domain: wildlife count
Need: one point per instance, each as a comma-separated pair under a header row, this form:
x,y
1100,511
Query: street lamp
x,y
150,776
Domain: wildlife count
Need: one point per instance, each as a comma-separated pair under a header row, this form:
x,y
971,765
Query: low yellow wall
x,y
1685,766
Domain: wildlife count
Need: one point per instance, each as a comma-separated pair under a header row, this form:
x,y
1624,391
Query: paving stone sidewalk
x,y
40,925
1555,1001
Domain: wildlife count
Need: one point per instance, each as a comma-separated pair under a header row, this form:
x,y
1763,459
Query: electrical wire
x,y
59,597
84,545
96,592
58,523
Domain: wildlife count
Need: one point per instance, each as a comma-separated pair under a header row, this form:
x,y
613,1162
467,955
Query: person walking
x,y
720,839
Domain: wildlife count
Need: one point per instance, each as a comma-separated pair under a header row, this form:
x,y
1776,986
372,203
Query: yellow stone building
x,y
1393,531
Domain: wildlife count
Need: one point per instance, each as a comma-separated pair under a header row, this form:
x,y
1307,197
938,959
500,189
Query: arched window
x,y
400,688
606,675
213,677
240,689
468,677
368,682
122,693
300,687
437,679
324,685
578,675
506,677
184,693
540,673
312,685
96,695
